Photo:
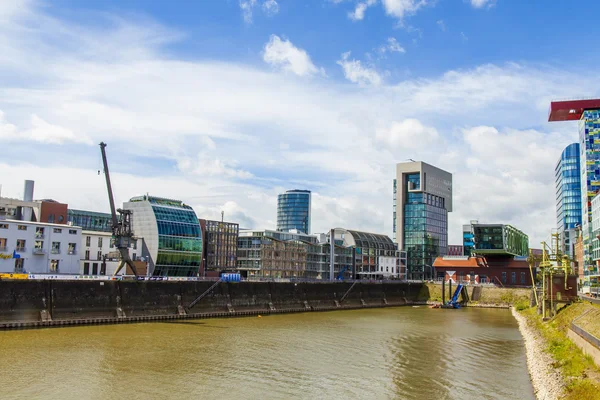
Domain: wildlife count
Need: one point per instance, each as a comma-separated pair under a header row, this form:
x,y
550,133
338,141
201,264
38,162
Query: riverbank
x,y
557,367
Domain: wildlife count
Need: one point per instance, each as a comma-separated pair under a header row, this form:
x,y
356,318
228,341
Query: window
x,y
88,241
523,278
95,269
135,244
504,277
22,227
134,256
20,245
55,247
86,268
72,231
39,245
3,226
57,230
19,263
99,242
54,266
39,232
99,255
2,244
72,248
513,278
87,255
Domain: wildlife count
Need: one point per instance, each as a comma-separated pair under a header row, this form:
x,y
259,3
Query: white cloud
x,y
393,46
464,37
247,6
408,134
441,24
40,131
270,7
482,3
401,8
356,72
359,11
284,55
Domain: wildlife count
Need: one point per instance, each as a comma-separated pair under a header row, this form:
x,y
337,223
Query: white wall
x,y
106,249
39,262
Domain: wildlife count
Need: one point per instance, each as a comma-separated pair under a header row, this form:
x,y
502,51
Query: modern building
x,y
39,248
587,112
90,220
568,197
220,246
473,270
592,276
293,211
422,201
375,256
494,239
171,232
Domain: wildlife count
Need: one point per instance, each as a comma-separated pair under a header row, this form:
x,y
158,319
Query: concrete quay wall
x,y
29,303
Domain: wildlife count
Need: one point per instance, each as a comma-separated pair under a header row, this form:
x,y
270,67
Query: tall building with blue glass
x,y
293,211
422,200
171,232
568,197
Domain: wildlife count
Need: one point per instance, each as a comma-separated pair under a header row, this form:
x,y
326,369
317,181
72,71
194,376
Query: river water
x,y
392,353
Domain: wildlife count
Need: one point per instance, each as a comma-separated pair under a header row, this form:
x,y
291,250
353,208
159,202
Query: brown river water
x,y
392,353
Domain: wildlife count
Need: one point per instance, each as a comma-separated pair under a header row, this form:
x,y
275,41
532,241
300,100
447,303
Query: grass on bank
x,y
582,376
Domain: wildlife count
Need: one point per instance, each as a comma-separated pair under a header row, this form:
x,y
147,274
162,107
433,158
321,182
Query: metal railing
x,y
21,249
39,235
72,252
39,251
55,251
3,248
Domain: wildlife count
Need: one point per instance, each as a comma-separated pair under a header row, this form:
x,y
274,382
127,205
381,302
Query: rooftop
x,y
571,110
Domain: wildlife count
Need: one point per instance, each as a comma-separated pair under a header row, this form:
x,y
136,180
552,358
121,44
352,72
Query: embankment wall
x,y
25,303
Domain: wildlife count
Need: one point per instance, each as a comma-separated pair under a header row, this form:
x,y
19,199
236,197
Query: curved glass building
x,y
293,211
568,196
171,232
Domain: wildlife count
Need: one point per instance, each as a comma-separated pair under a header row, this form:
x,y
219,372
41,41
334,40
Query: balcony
x,y
39,236
72,252
55,251
39,251
21,249
3,248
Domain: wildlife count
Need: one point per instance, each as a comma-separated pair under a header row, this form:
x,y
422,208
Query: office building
x,y
171,232
568,197
422,201
220,247
494,239
587,113
293,211
38,248
90,220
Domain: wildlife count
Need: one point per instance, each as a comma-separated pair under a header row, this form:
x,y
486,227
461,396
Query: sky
x,y
226,103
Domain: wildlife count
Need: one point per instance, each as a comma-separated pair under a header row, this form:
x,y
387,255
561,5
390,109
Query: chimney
x,y
27,196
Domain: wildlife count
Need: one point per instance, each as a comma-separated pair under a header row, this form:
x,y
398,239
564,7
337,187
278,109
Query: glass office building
x,y
293,211
171,232
422,200
90,220
568,197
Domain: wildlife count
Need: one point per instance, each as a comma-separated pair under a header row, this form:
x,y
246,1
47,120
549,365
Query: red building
x,y
456,250
502,271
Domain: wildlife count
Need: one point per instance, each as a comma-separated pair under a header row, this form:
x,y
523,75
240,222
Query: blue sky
x,y
226,103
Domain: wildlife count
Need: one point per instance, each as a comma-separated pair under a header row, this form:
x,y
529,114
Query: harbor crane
x,y
121,226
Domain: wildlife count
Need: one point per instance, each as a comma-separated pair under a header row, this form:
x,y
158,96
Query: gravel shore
x,y
547,381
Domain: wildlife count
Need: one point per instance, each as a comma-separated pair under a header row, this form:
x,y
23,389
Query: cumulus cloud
x,y
408,134
482,3
356,72
282,54
270,7
401,8
391,46
40,131
359,11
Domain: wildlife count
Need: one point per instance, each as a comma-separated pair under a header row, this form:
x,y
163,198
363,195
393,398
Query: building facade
x,y
39,248
99,256
568,197
476,270
494,239
220,246
171,232
90,220
455,250
422,200
294,211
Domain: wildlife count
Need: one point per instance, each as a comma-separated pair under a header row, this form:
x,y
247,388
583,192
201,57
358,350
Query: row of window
x,y
39,231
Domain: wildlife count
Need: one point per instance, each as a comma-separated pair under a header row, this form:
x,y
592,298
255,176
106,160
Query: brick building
x,y
502,271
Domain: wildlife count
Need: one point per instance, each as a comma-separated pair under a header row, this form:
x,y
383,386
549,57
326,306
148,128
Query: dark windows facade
x,y
293,211
220,243
568,196
90,220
